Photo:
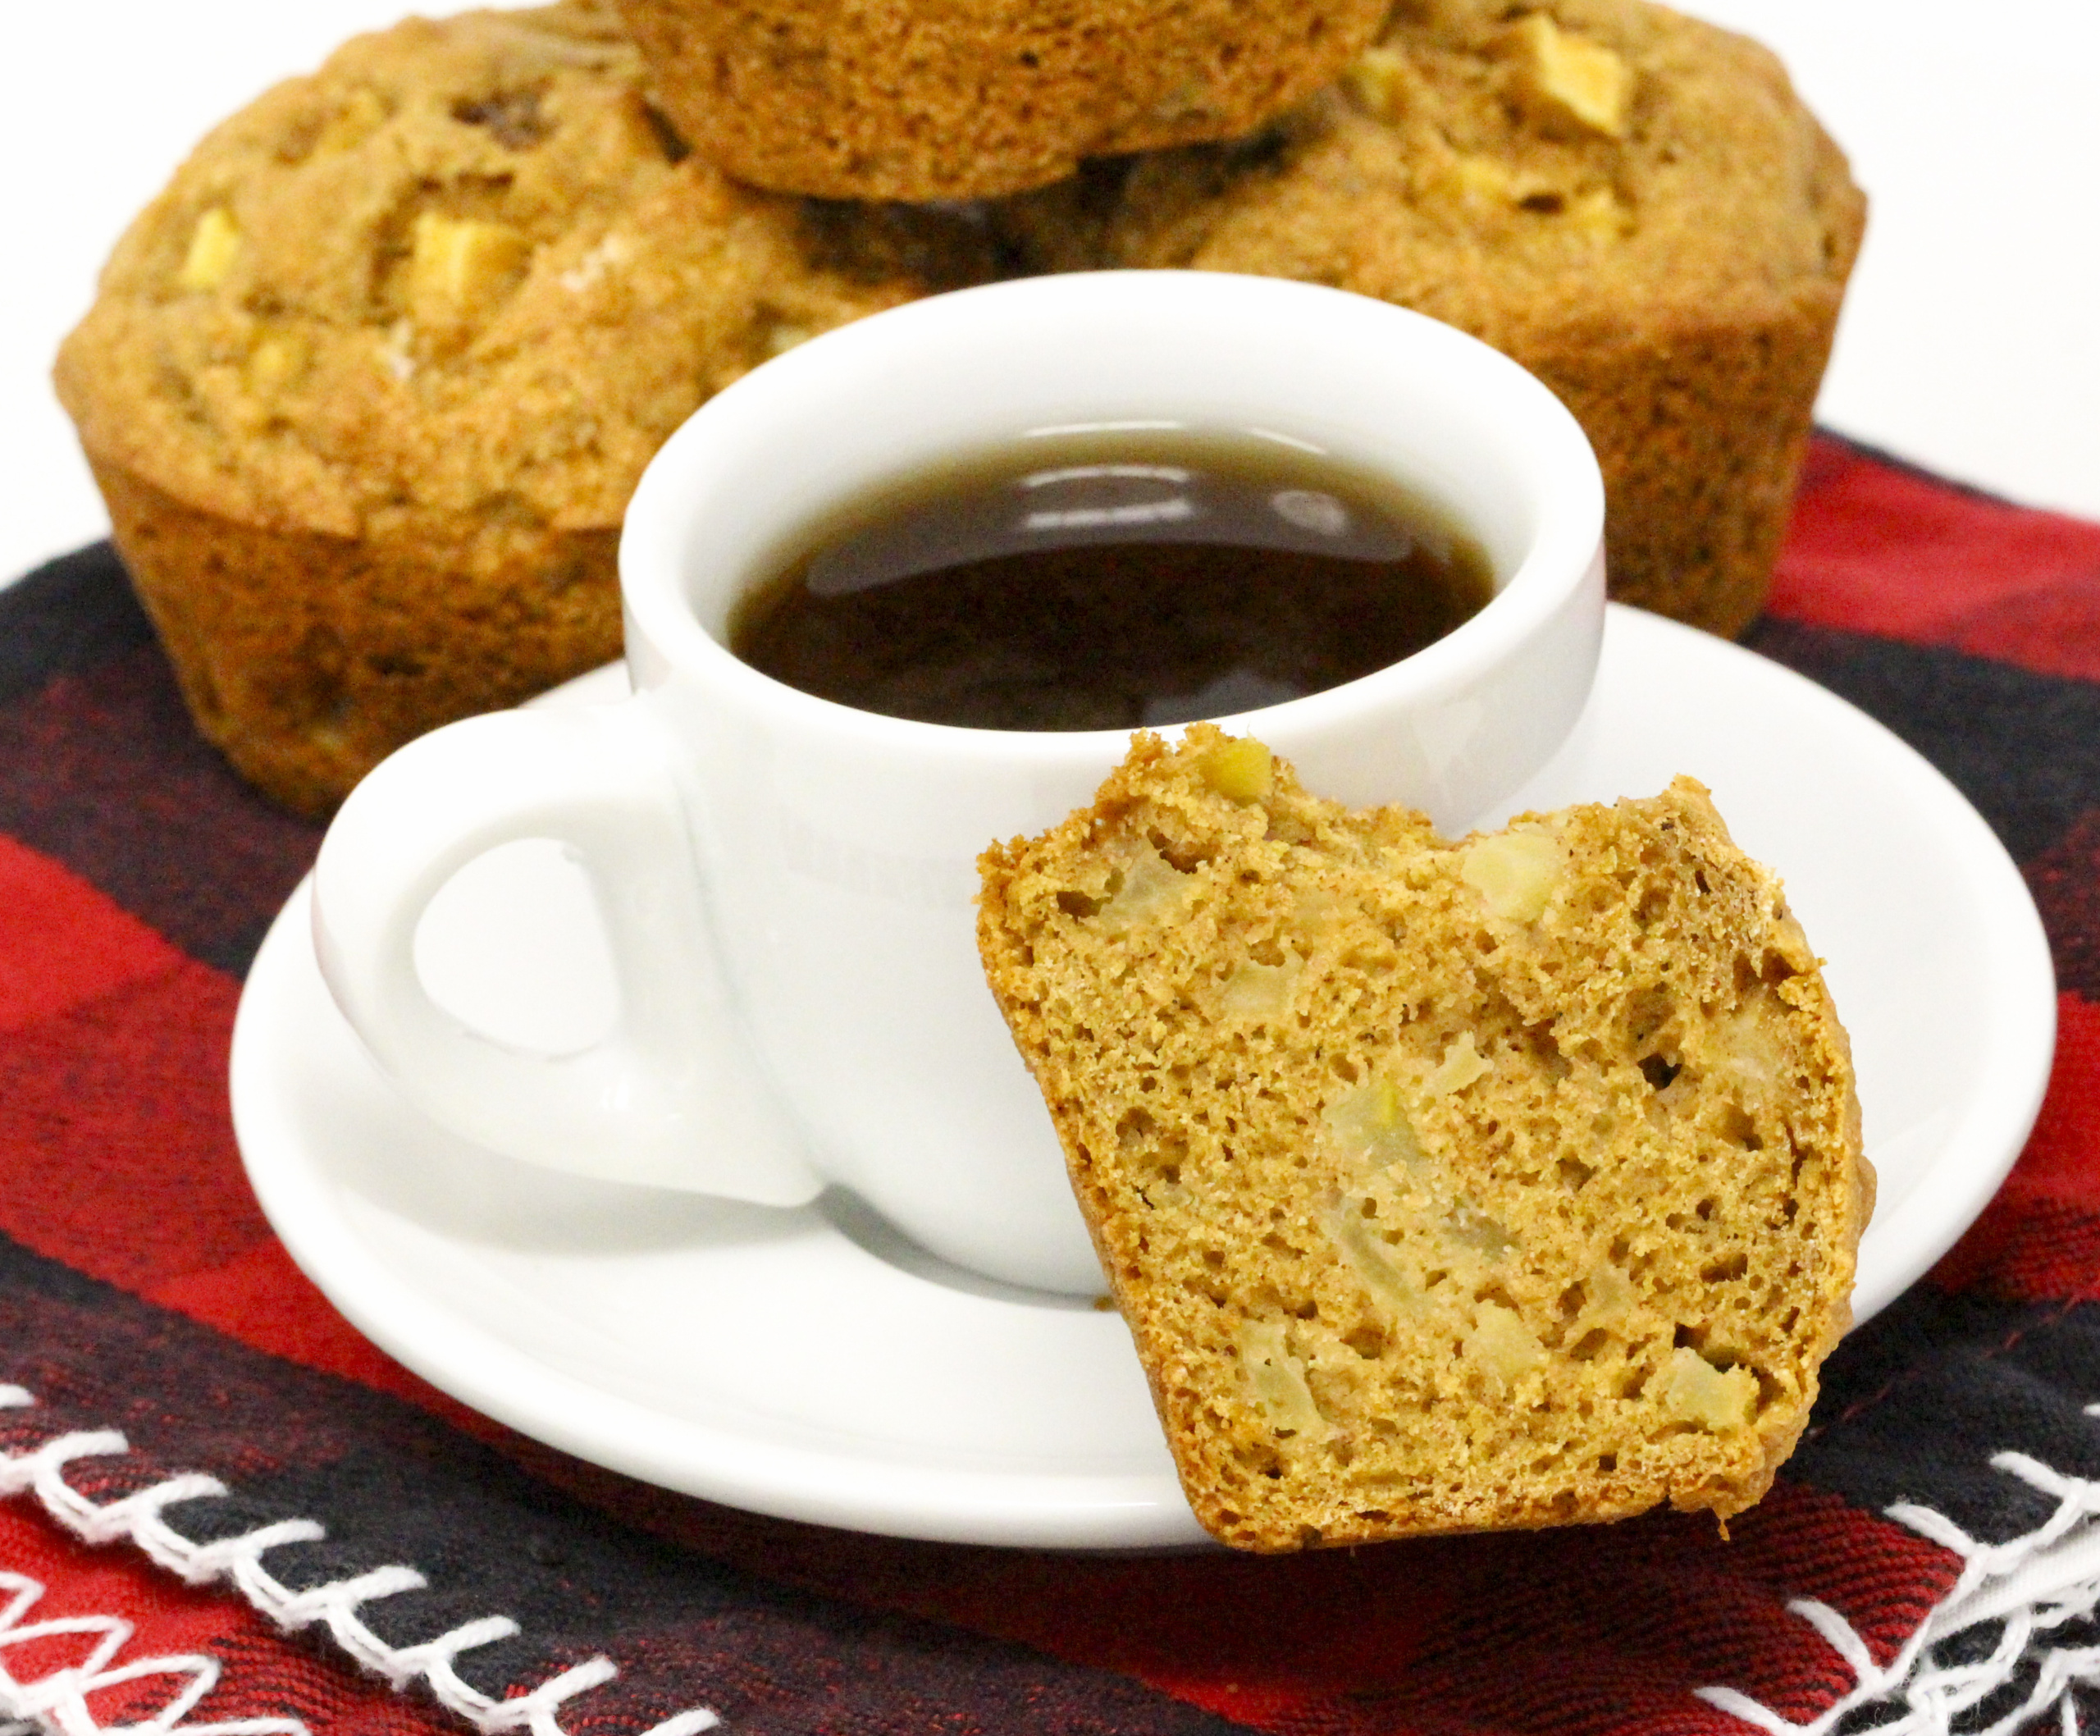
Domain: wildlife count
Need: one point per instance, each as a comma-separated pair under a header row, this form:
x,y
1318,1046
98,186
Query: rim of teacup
x,y
854,369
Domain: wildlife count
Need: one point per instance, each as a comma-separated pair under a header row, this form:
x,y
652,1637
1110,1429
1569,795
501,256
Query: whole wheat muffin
x,y
965,98
368,387
1632,204
1514,1182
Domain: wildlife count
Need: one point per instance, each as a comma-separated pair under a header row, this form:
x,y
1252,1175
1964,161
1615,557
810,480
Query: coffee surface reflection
x,y
1110,580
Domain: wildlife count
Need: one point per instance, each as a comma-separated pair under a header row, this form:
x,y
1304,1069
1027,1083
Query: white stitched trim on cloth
x,y
58,1699
137,1517
2033,1585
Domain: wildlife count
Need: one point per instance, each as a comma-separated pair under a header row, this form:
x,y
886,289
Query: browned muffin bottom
x,y
368,385
960,100
1632,204
1515,1181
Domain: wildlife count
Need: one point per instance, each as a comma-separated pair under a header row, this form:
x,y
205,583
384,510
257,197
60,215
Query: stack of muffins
x,y
368,386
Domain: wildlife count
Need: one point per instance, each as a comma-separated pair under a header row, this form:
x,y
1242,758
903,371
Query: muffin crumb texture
x,y
1445,1186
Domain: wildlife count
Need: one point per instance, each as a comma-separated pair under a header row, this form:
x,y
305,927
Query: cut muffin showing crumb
x,y
1445,1186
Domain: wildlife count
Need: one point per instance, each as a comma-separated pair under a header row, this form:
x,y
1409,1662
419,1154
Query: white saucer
x,y
801,1363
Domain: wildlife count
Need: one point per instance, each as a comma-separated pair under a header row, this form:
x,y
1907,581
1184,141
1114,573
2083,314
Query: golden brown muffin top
x,y
1597,163
466,267
969,99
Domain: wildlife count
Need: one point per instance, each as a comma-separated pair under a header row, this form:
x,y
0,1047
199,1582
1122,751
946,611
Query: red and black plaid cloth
x,y
169,1382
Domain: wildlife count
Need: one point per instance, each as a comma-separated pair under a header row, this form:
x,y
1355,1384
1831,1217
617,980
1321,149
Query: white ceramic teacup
x,y
802,874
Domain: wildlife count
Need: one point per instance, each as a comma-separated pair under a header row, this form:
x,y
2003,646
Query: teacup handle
x,y
670,1097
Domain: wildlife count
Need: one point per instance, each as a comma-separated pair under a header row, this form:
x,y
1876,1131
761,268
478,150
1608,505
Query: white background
x,y
1969,343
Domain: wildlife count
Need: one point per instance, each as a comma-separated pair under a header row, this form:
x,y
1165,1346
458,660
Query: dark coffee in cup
x,y
1109,579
